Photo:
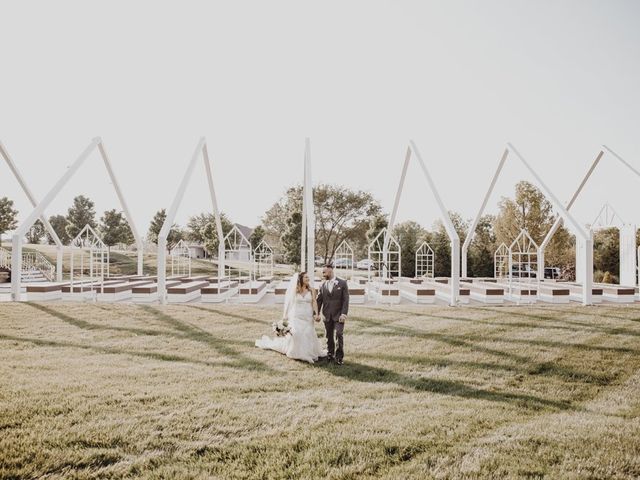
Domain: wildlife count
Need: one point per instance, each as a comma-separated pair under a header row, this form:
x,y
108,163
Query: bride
x,y
300,308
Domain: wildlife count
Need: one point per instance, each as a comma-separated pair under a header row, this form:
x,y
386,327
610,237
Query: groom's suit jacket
x,y
335,303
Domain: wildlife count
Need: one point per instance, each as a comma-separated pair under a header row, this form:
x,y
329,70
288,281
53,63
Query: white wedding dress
x,y
302,343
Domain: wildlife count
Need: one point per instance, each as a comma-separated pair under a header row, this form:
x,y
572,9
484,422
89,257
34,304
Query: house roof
x,y
246,231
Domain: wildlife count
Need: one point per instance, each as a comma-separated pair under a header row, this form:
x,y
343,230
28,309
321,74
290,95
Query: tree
x,y
80,214
115,229
202,229
409,235
530,210
606,252
36,232
175,234
8,216
256,236
441,244
292,238
482,248
341,214
59,225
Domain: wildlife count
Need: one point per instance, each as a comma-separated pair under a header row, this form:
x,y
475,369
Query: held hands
x,y
316,317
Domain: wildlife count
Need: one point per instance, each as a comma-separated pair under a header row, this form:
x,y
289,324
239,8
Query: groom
x,y
333,302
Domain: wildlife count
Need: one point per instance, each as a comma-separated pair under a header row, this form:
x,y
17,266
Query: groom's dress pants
x,y
334,330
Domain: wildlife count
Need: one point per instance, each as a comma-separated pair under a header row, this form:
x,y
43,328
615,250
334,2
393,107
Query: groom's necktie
x,y
330,286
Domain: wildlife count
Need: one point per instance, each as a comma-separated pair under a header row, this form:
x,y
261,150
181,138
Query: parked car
x,y
319,261
523,271
552,273
342,263
364,264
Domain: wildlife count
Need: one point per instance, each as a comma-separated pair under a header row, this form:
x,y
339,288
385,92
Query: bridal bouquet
x,y
281,328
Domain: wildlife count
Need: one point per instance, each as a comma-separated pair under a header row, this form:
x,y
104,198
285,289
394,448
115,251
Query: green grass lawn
x,y
111,391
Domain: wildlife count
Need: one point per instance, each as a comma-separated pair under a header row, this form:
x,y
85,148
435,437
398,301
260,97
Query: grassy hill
x,y
113,391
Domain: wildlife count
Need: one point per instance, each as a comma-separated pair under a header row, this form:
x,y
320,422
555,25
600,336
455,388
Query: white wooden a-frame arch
x,y
577,229
425,260
91,245
627,256
43,218
343,257
308,238
180,259
201,151
263,260
523,258
385,256
501,262
38,211
608,218
238,247
412,149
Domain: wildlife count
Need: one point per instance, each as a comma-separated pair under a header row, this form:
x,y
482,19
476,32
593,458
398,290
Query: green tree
x,y
59,225
441,244
606,252
257,236
292,238
409,235
202,229
528,210
341,214
115,229
482,248
80,214
8,216
36,232
175,234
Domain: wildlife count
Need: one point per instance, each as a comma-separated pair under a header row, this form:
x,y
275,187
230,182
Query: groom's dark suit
x,y
334,303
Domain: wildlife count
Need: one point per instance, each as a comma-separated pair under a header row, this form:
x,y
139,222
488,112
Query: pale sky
x,y
360,78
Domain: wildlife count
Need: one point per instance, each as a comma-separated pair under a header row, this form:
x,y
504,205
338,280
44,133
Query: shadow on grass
x,y
526,364
454,339
231,315
184,331
365,373
117,351
197,334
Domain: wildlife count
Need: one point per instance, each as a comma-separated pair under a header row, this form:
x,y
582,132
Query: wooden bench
x,y
443,289
251,292
384,290
575,290
484,292
185,291
219,291
618,293
119,291
357,293
517,292
45,291
417,292
149,292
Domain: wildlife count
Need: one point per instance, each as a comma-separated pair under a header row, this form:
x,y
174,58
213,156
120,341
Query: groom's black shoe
x,y
329,358
339,361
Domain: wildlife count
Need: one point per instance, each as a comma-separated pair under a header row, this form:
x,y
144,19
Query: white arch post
x,y
38,212
425,261
23,184
609,218
578,231
412,149
629,258
308,237
201,149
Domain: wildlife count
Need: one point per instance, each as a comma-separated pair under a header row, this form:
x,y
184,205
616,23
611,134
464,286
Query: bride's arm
x,y
314,302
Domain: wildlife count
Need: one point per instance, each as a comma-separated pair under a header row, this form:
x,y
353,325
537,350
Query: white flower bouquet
x,y
282,328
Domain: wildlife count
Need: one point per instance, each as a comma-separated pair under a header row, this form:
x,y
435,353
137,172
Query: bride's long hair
x,y
300,285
